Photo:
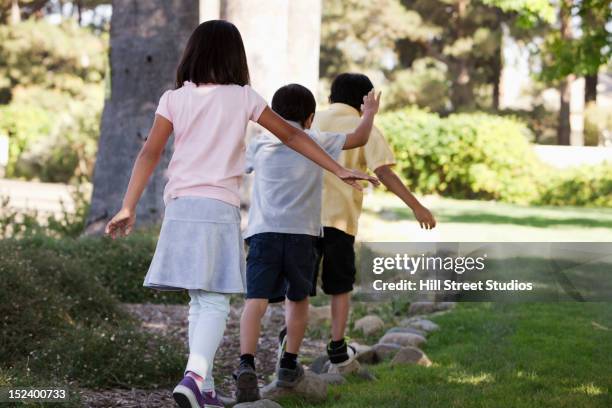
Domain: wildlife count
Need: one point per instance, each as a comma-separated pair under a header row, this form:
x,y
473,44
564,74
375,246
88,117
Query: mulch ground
x,y
171,321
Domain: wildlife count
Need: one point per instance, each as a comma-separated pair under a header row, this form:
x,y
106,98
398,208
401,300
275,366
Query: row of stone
x,y
400,344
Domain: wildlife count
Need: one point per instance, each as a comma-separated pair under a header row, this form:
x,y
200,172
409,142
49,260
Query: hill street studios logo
x,y
486,271
425,265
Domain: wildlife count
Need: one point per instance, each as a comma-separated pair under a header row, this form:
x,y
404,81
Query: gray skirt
x,y
200,246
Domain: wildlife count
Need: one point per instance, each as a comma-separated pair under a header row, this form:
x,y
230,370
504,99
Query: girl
x,y
200,246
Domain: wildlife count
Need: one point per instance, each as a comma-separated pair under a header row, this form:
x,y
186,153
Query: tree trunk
x,y
79,8
590,88
462,91
15,12
564,128
286,51
147,39
497,73
498,66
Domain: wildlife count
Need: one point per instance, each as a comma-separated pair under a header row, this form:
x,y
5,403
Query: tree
x,y
13,11
146,44
595,16
469,41
564,129
566,55
394,39
51,95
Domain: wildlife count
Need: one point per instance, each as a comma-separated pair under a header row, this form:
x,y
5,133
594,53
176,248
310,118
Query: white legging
x,y
208,312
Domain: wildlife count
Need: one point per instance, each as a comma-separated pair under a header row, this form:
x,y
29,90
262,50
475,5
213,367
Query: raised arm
x,y
303,144
360,136
147,160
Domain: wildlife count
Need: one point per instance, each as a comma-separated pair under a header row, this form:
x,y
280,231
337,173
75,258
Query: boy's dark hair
x,y
350,88
294,102
214,54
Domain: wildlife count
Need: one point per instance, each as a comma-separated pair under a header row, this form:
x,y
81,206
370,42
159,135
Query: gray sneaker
x,y
289,378
246,384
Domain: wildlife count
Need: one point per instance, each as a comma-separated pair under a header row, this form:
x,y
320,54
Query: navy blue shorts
x,y
336,249
281,265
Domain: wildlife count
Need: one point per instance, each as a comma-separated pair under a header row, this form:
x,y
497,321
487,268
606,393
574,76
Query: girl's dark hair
x,y
350,88
294,102
214,54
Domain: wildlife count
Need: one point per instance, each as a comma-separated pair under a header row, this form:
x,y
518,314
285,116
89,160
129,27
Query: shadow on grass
x,y
488,218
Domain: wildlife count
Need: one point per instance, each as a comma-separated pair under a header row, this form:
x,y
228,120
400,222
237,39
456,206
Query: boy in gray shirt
x,y
283,230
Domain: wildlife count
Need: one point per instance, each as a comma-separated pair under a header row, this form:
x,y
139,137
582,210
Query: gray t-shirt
x,y
287,186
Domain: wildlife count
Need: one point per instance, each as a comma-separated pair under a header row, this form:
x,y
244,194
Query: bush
x,y
468,155
117,265
60,321
588,186
51,98
120,265
18,223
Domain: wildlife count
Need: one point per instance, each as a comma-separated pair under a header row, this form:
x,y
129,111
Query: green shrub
x,y
60,321
118,265
588,186
468,155
15,223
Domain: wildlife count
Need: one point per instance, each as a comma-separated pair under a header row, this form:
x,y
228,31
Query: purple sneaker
x,y
187,394
211,400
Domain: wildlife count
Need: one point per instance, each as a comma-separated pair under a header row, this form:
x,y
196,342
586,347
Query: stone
x,y
319,314
406,330
403,339
310,388
333,379
422,308
360,348
369,325
421,324
365,374
318,364
350,368
263,403
385,351
227,401
411,355
368,357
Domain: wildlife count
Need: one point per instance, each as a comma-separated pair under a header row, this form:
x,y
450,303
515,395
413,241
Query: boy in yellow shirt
x,y
342,204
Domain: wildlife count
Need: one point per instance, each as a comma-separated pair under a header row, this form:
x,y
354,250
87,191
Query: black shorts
x,y
336,248
280,265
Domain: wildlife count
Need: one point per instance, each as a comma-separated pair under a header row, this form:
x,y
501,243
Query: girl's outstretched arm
x,y
303,144
149,156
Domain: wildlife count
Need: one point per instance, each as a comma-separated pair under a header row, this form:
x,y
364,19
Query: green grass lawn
x,y
386,218
500,355
490,355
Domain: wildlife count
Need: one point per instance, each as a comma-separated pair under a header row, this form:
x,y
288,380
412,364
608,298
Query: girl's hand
x,y
352,178
424,217
371,103
121,224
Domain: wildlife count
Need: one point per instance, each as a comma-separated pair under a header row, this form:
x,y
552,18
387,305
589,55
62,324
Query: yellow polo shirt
x,y
341,202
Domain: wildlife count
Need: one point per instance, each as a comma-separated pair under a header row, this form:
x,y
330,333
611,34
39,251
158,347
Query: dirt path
x,y
171,320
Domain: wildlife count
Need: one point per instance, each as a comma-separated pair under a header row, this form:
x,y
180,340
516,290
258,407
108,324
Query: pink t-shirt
x,y
209,129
